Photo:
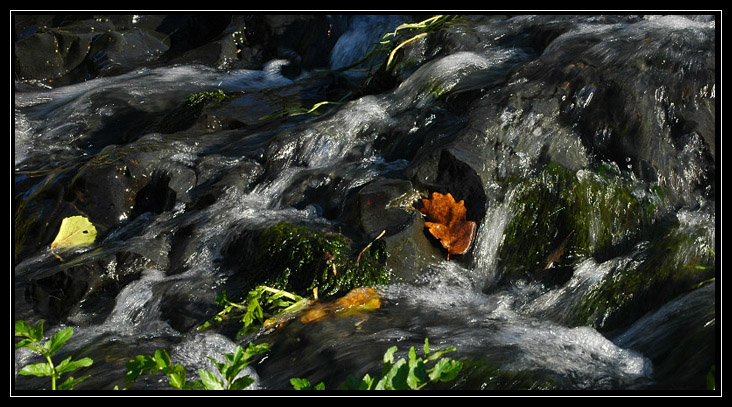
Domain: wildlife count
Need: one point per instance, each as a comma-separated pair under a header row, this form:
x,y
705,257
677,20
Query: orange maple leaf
x,y
447,221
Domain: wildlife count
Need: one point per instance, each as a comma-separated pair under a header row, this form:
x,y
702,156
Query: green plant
x,y
296,111
388,42
159,362
225,379
299,259
33,337
410,374
261,303
711,382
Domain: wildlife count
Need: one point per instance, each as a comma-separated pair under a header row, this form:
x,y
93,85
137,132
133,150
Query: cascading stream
x,y
590,229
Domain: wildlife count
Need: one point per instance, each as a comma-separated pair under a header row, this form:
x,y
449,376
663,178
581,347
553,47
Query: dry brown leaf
x,y
358,299
447,221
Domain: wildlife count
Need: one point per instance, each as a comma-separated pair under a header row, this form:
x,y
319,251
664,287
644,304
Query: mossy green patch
x,y
297,259
598,214
674,263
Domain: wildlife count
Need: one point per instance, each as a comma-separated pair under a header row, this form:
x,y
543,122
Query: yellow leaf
x,y
75,231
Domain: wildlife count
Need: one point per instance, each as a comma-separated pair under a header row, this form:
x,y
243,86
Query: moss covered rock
x,y
561,215
674,263
298,259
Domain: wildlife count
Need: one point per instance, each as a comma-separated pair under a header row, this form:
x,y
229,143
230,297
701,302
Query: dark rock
x,y
375,200
105,188
94,283
304,40
38,213
156,196
452,170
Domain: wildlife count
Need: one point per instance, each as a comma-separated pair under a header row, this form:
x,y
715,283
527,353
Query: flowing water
x,y
512,335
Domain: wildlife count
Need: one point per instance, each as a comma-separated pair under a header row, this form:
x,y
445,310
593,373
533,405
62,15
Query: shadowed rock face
x,y
61,50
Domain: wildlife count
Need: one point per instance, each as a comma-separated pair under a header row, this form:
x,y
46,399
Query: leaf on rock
x,y
447,221
75,231
357,300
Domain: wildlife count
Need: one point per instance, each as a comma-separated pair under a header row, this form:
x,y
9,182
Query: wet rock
x,y
186,115
38,212
62,50
304,41
672,264
94,283
377,211
452,170
688,341
584,214
105,189
192,38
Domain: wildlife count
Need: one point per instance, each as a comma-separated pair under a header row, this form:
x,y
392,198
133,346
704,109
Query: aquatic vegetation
x,y
596,215
260,306
400,374
669,265
226,377
389,42
33,337
185,115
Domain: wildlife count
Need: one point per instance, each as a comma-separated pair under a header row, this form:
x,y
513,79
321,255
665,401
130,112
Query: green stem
x,y
53,369
287,294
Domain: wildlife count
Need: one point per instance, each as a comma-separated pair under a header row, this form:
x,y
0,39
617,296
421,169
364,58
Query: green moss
x,y
597,210
185,115
672,264
540,209
296,259
605,214
200,98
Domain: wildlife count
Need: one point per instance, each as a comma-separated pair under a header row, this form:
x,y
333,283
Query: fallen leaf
x,y
447,221
75,231
362,298
558,252
356,300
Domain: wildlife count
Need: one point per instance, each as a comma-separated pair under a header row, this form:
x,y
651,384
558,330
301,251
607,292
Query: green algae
x,y
675,262
601,214
297,259
594,213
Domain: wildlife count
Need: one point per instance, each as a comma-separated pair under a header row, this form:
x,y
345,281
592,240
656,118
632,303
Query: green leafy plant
x,y
159,362
33,337
230,369
224,379
261,303
401,374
